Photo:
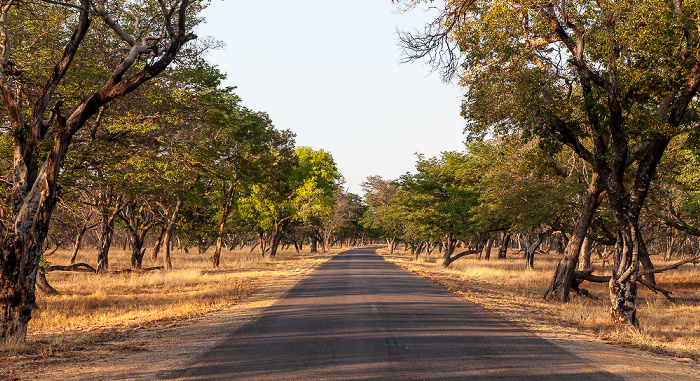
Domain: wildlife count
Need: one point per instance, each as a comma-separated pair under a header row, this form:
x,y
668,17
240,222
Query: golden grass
x,y
506,286
107,302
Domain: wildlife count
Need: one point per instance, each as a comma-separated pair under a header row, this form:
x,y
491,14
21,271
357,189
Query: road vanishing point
x,y
359,317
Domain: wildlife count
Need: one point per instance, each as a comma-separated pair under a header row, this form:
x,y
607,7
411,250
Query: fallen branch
x,y
587,275
463,254
656,289
137,270
78,267
676,265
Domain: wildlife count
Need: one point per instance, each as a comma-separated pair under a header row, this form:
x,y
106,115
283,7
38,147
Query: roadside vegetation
x,y
93,307
508,288
582,136
118,130
129,171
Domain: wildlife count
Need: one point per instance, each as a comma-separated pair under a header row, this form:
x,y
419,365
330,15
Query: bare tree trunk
x,y
450,245
137,253
560,286
531,249
261,238
275,244
107,231
159,243
314,244
169,233
78,241
504,246
225,211
390,244
487,253
669,248
645,260
584,259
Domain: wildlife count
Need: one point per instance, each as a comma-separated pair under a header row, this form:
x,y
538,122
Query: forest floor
x,y
134,325
504,286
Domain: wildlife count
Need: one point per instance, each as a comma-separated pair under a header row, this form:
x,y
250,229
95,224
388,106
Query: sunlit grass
x,y
98,302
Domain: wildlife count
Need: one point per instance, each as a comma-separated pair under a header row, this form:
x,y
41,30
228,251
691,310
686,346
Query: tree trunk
x,y
669,249
106,227
261,238
137,252
275,244
449,249
139,220
105,242
44,285
531,249
325,244
487,253
504,246
623,283
584,258
225,210
645,260
313,248
78,241
169,233
560,286
159,244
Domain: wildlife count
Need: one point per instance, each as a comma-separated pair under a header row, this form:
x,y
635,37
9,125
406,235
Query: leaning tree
x,y
48,101
614,81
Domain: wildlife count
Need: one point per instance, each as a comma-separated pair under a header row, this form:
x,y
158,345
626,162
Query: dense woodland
x,y
581,139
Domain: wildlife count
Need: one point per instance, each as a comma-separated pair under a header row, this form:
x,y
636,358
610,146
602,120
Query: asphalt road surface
x,y
358,317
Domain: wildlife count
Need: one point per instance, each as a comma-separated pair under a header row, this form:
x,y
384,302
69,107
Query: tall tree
x,y
146,36
613,81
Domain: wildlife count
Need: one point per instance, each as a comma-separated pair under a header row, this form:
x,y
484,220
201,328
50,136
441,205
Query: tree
x,y
43,123
446,193
527,190
316,180
379,193
614,82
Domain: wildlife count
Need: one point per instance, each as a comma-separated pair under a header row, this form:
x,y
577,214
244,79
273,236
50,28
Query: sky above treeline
x,y
330,71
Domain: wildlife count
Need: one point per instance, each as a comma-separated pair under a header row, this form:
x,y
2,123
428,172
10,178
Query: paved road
x,y
358,317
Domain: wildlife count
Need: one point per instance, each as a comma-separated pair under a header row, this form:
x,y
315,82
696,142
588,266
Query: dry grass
x,y
91,307
507,287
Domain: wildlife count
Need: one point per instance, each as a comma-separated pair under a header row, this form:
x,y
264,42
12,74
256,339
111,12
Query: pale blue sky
x,y
329,71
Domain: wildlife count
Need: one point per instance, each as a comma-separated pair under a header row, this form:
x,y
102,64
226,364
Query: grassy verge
x,y
96,307
506,287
